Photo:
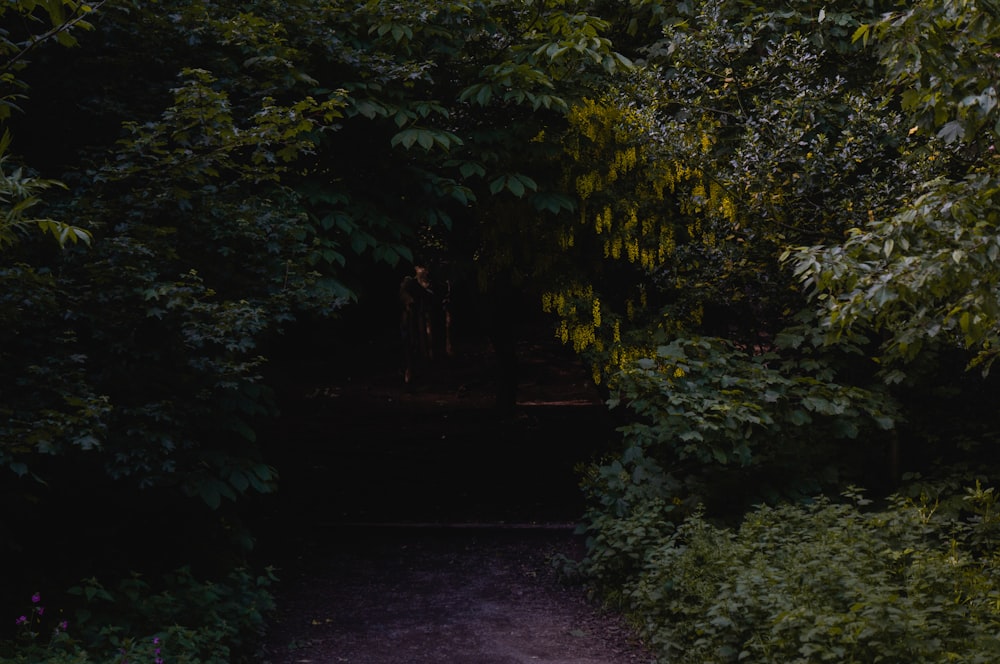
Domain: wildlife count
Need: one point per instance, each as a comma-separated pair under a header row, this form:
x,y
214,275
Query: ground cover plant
x,y
913,580
186,620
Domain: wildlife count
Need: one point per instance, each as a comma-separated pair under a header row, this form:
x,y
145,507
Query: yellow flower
x,y
633,250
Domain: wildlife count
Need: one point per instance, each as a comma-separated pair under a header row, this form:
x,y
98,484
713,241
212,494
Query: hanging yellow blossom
x,y
728,209
587,184
698,315
633,250
706,143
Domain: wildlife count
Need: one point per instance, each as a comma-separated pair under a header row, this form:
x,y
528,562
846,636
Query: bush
x,y
822,582
186,622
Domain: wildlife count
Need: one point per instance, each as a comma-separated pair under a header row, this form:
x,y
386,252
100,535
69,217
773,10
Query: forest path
x,y
417,525
398,596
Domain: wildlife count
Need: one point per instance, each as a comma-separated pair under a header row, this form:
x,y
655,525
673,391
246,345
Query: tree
x,y
816,271
741,134
270,151
922,271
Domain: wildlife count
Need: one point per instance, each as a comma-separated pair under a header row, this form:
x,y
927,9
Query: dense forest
x,y
770,232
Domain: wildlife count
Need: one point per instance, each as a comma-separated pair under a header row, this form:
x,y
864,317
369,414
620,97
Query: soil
x,y
416,524
425,596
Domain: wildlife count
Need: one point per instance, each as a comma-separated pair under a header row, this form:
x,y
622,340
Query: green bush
x,y
911,582
187,621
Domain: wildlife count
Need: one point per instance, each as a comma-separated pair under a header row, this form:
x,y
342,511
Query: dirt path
x,y
361,449
419,596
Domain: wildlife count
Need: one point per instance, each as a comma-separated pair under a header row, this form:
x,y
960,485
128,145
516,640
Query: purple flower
x,y
23,620
36,598
40,610
64,625
156,640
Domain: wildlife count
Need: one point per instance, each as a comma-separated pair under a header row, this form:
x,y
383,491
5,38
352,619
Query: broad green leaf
x,y
470,168
515,185
951,132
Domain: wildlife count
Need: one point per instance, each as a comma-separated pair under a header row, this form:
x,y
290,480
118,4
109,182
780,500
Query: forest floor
x,y
426,596
424,526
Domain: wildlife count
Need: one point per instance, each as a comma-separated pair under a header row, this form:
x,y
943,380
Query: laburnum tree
x,y
783,246
864,208
745,131
789,211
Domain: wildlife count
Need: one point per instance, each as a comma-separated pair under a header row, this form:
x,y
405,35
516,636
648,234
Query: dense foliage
x,y
187,620
817,143
770,232
181,183
913,581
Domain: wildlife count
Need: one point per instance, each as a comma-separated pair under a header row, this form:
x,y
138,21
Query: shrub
x,y
186,622
823,581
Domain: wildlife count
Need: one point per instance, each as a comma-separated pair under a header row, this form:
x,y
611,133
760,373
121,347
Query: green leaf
x,y
951,132
360,242
526,182
863,33
481,93
515,186
406,138
552,202
799,417
370,109
470,168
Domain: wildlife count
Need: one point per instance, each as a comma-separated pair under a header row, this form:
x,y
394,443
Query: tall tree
x,y
239,160
743,133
